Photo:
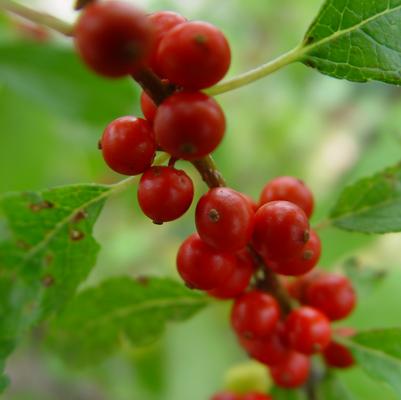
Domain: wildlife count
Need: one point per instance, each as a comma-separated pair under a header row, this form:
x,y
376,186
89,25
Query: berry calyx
x,y
255,315
194,55
128,145
224,219
292,372
189,125
148,107
203,267
165,193
333,295
226,396
270,350
114,38
302,263
308,330
289,189
163,22
281,230
239,280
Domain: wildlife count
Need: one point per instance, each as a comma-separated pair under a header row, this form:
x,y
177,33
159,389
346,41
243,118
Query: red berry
x,y
114,38
226,396
270,350
203,267
333,295
189,125
163,22
308,330
289,189
165,193
128,145
256,396
338,356
292,372
255,315
304,262
238,280
281,230
148,107
297,288
251,202
194,55
224,219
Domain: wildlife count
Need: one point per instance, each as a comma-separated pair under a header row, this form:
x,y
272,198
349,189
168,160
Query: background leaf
x,y
331,388
356,40
371,205
120,309
378,353
46,252
283,394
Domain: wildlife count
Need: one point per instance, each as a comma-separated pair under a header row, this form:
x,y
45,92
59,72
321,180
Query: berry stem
x,y
257,73
38,17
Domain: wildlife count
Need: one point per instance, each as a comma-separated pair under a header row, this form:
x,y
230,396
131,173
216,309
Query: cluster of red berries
x,y
236,238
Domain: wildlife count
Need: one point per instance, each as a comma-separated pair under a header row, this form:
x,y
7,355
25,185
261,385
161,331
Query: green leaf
x,y
378,353
331,388
124,309
55,78
47,250
285,394
371,205
356,40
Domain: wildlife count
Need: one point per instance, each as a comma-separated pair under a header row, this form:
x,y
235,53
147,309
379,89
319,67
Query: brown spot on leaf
x,y
23,245
48,259
143,280
48,281
36,207
79,216
76,235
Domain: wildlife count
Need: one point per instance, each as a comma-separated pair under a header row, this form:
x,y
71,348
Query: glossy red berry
x,y
224,219
255,315
226,396
270,350
239,280
256,396
114,38
308,330
163,22
128,145
189,125
289,189
297,288
165,193
194,55
292,372
333,295
148,107
302,263
281,231
338,356
203,267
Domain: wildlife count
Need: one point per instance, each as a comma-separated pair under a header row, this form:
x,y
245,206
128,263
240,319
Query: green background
x,y
296,122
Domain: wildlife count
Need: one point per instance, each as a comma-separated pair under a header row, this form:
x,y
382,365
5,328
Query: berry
x,y
189,125
203,267
251,202
163,22
114,38
333,295
239,280
338,356
256,396
308,330
292,372
165,193
194,55
270,350
148,107
281,230
303,263
226,396
128,145
255,315
289,189
224,219
297,288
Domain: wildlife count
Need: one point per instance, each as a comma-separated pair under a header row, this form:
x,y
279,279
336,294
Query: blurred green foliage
x,y
327,132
